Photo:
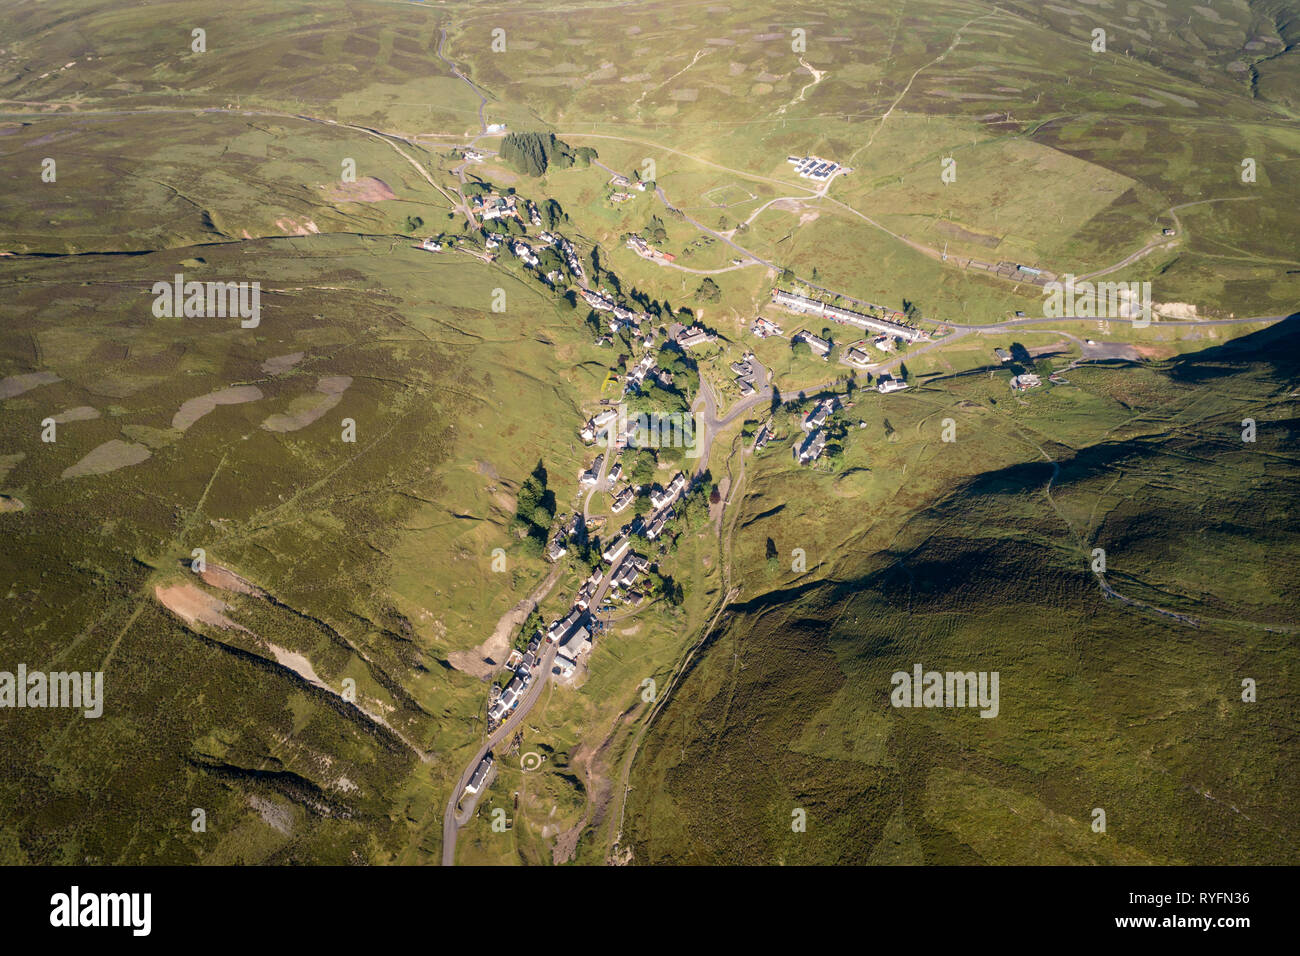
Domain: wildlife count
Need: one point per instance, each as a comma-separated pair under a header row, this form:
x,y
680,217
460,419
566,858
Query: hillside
x,y
308,546
1103,705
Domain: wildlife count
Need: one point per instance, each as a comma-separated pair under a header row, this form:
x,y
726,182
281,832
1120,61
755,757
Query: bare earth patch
x,y
484,661
954,231
17,384
274,815
82,413
109,456
191,411
299,664
195,606
1176,310
1155,352
293,227
228,580
365,189
282,363
305,410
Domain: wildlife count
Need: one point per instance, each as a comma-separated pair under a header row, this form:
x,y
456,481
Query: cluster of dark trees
x,y
658,401
552,214
655,231
708,291
693,507
532,625
585,549
505,226
633,298
663,586
534,511
534,153
836,433
683,368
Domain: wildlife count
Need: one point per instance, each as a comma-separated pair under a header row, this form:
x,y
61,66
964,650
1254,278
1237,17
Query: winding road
x,y
459,171
455,816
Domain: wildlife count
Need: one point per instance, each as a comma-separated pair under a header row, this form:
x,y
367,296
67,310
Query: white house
x,y
815,342
693,336
479,776
579,642
560,629
660,498
812,447
623,499
616,549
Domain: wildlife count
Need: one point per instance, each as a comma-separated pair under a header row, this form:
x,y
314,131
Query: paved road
x,y
711,424
813,193
452,821
822,193
1012,323
673,265
459,171
1163,241
997,328
705,402
482,100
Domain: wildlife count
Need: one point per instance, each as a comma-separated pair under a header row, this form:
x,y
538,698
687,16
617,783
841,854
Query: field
x,y
375,555
1102,705
289,541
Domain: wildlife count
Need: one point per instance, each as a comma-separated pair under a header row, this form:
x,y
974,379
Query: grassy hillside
x,y
374,556
1103,705
320,688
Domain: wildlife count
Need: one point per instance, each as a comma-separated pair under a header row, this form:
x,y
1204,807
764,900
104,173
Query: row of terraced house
x,y
805,305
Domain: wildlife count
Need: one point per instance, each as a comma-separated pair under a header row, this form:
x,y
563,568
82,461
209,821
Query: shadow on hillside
x,y
1278,346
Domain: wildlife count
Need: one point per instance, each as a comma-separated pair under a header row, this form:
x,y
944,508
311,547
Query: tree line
x,y
534,153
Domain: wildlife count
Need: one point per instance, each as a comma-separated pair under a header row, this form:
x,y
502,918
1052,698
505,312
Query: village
x,y
561,650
